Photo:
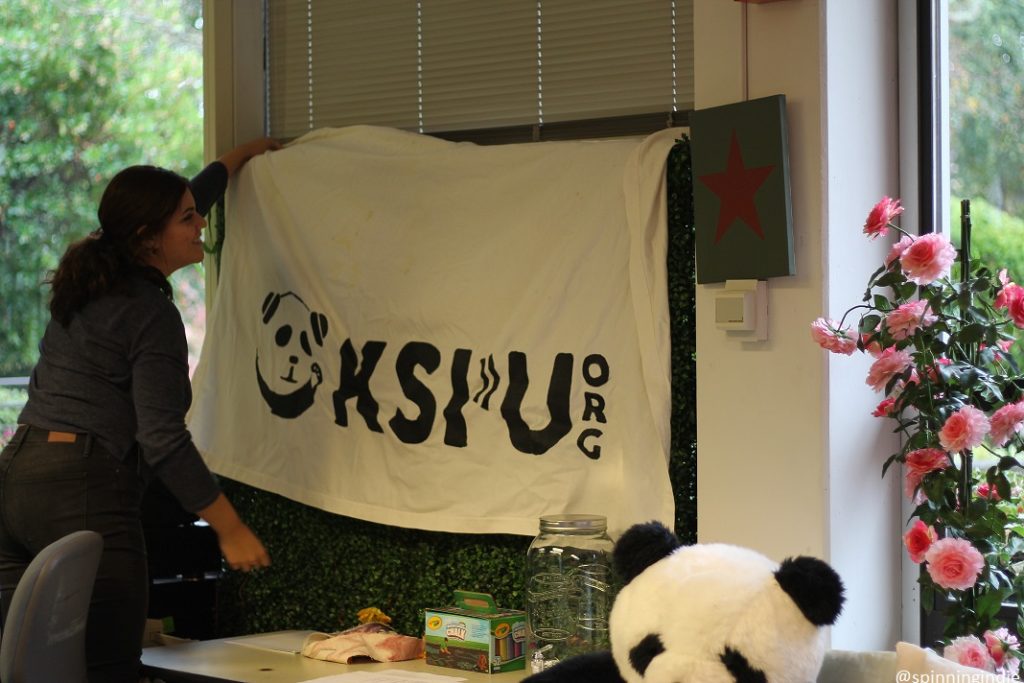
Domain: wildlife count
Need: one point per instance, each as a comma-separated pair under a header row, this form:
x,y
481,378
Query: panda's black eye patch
x,y
284,335
740,668
642,653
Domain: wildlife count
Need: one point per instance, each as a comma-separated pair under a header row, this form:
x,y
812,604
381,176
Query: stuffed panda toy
x,y
709,613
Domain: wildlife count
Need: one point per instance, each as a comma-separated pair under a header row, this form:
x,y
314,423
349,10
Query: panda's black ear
x,y
641,546
270,305
815,588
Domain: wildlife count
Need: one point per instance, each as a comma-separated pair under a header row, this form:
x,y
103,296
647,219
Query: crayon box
x,y
475,635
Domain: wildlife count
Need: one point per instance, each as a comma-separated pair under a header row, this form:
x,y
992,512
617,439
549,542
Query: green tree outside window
x,y
89,87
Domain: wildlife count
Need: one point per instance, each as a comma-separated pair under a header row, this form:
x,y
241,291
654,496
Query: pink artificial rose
x,y
898,249
933,372
890,363
872,347
918,539
929,258
1016,311
919,463
999,643
906,319
969,651
1002,345
826,333
925,460
985,491
1006,422
995,646
1008,294
885,408
964,429
881,216
953,563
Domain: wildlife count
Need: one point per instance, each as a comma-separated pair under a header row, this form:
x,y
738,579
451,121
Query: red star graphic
x,y
735,188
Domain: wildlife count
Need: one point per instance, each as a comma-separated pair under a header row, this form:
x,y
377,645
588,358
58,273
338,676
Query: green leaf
x,y
971,333
869,323
990,601
1003,486
1007,462
928,597
905,291
889,279
888,462
879,271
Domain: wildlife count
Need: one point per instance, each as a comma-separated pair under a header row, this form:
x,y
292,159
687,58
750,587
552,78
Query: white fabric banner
x,y
443,335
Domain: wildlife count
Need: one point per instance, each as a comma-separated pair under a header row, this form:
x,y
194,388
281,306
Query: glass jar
x,y
569,589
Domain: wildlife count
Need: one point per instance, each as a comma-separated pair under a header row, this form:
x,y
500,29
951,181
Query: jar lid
x,y
573,522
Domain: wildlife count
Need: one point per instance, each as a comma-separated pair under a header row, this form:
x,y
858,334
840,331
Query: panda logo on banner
x,y
288,375
286,369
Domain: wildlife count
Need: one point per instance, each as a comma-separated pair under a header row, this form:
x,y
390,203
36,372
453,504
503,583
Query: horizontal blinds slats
x,y
605,58
288,67
436,65
684,55
364,63
479,63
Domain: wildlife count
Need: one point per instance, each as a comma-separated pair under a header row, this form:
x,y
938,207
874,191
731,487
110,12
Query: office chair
x,y
43,639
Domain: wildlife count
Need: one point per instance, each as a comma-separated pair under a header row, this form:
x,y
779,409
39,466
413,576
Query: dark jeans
x,y
48,490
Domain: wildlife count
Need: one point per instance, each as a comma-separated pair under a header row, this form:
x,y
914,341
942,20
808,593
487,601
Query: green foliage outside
x,y
88,87
11,401
997,237
986,46
997,240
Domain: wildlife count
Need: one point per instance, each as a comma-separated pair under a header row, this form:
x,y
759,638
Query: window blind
x,y
444,65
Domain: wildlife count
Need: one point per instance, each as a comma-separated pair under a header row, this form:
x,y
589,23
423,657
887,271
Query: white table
x,y
229,659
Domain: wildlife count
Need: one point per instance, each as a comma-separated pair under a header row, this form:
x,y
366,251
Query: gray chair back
x,y
43,640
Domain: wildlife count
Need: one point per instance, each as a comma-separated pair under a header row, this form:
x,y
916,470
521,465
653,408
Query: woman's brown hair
x,y
135,207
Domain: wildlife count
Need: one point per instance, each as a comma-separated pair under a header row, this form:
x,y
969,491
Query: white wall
x,y
862,166
789,458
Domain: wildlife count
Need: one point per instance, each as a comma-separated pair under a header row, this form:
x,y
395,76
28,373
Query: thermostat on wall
x,y
743,307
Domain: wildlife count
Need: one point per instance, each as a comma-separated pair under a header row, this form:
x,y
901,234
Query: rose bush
x,y
939,330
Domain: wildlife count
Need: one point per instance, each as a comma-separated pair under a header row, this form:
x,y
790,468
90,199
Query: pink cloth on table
x,y
375,641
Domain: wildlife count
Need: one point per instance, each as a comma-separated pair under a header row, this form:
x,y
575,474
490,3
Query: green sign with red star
x,y
741,199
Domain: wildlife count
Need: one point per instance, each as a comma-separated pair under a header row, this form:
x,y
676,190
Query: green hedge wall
x,y
327,567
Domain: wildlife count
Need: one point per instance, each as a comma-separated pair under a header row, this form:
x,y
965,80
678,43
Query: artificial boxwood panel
x,y
327,567
682,308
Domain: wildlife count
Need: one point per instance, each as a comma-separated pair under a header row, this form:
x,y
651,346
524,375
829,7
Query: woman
x,y
107,401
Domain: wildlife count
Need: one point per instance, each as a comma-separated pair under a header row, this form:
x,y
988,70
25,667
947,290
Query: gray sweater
x,y
119,371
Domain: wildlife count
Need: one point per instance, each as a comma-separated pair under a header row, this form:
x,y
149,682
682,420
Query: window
x,y
89,87
521,70
972,54
986,158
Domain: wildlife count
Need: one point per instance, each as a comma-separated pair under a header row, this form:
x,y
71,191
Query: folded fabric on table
x,y
373,641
